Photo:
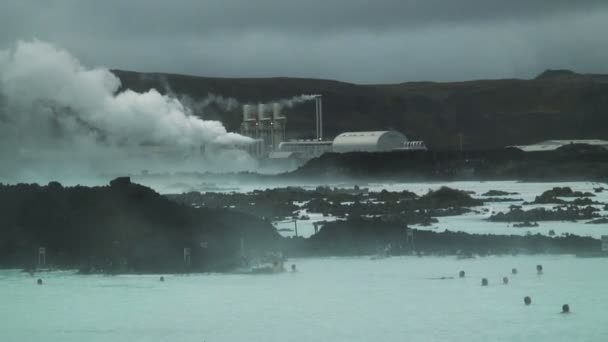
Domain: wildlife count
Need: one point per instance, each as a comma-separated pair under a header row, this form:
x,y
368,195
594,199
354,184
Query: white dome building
x,y
378,141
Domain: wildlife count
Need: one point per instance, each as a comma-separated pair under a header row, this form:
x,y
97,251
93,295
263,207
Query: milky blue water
x,y
332,299
476,222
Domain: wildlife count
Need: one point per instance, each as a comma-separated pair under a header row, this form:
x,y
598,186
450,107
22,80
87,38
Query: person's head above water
x,y
565,308
484,282
527,300
539,269
461,274
514,271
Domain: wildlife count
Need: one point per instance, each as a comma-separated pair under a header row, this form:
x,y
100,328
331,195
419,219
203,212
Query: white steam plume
x,y
53,110
225,104
296,100
210,103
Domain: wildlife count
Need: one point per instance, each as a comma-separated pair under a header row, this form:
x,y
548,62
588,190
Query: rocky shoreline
x,y
128,228
567,163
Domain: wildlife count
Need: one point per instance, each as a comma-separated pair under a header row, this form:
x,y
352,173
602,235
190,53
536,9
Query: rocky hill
x,y
577,162
558,104
123,227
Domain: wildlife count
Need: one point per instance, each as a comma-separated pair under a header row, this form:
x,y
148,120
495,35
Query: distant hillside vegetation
x,y
558,104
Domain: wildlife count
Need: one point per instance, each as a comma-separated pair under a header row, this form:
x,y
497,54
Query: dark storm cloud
x,y
353,40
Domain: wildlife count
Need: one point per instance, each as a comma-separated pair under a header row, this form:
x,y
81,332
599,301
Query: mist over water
x,y
328,299
60,119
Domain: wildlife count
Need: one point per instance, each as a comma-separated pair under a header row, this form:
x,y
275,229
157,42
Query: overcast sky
x,y
364,41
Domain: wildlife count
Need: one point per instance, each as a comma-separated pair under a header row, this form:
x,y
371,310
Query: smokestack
x,y
264,112
247,112
319,112
276,111
261,109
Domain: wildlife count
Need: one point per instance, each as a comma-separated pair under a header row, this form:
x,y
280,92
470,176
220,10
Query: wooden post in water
x,y
409,238
187,256
41,256
295,223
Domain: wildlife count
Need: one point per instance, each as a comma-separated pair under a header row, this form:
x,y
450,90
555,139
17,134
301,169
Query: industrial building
x,y
306,149
267,126
414,146
378,141
550,145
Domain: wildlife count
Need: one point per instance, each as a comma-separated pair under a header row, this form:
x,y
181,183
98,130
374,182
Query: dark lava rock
x,y
124,227
502,199
120,182
526,224
447,197
429,222
499,193
551,196
583,201
569,213
364,236
602,220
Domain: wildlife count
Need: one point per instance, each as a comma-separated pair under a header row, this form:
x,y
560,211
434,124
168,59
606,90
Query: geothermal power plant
x,y
267,125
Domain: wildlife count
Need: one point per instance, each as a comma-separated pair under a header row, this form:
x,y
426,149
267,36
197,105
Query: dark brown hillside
x,y
558,104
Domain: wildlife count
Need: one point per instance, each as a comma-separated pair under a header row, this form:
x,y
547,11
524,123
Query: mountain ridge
x,y
557,104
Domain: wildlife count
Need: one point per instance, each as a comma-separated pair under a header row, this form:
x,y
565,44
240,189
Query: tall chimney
x,y
261,110
319,112
276,111
247,111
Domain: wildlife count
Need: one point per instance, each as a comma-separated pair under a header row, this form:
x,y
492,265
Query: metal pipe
x,y
320,117
317,117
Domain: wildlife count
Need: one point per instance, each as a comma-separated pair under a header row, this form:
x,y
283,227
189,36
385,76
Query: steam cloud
x,y
58,116
229,103
296,100
225,104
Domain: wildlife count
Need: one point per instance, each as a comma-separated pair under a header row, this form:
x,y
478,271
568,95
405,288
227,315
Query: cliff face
x,y
121,227
557,104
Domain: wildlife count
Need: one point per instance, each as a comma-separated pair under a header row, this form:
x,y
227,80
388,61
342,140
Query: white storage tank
x,y
377,141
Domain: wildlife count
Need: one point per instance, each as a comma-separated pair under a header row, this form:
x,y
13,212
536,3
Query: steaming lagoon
x,y
337,299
